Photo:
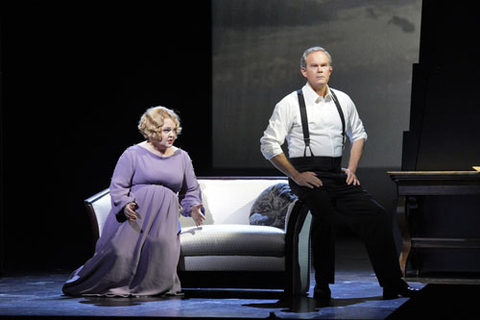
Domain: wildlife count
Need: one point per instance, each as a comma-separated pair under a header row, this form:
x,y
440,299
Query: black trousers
x,y
365,216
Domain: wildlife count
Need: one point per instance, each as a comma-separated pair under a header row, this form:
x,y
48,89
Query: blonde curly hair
x,y
152,120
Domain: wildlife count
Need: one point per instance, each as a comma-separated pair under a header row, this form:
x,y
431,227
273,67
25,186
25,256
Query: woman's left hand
x,y
197,215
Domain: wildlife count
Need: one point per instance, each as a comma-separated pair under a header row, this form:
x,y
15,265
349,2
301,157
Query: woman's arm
x,y
121,183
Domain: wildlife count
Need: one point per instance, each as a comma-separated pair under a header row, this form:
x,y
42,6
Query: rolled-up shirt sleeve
x,y
276,132
355,129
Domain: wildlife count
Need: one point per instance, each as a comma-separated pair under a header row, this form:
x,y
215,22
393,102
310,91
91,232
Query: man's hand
x,y
197,215
351,177
307,179
355,155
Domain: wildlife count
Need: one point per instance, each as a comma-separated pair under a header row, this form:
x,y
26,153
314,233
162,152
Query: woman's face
x,y
168,133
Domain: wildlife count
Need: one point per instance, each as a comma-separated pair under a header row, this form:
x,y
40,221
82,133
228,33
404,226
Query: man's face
x,y
317,70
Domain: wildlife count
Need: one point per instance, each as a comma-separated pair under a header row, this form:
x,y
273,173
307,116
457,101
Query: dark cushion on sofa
x,y
271,206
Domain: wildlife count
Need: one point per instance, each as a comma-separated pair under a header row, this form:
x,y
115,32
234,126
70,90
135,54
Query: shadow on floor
x,y
302,304
442,301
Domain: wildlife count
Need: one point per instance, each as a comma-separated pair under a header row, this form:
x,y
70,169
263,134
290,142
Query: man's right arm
x,y
305,179
274,136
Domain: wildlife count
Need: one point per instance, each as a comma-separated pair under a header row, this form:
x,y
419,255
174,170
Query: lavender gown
x,y
140,258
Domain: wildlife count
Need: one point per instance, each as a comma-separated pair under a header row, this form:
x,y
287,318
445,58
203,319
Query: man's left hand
x,y
351,177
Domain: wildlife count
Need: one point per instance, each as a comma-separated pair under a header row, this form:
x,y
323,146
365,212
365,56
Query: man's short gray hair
x,y
303,59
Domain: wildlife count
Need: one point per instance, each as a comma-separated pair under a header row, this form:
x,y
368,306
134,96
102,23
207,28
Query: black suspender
x,y
340,112
303,114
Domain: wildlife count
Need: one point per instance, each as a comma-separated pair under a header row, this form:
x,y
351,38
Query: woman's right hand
x,y
129,211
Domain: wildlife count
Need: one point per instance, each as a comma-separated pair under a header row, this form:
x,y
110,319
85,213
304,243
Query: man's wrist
x,y
295,175
352,170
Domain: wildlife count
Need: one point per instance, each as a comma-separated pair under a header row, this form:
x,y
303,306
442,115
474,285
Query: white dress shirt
x,y
324,125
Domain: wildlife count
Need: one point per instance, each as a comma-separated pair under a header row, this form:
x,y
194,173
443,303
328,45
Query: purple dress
x,y
140,258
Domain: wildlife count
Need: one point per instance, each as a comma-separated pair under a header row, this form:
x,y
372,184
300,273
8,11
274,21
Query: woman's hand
x,y
197,214
129,211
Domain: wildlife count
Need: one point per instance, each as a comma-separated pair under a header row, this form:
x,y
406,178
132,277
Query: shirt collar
x,y
313,97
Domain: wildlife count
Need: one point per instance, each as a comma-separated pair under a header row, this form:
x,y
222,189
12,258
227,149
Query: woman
x,y
138,251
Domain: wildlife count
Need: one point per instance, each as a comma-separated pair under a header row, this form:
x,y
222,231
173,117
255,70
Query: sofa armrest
x,y
98,206
297,248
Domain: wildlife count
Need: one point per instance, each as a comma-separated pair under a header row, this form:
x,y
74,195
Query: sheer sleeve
x,y
122,182
190,193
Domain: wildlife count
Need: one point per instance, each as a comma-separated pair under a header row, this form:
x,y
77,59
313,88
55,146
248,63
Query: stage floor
x,y
356,295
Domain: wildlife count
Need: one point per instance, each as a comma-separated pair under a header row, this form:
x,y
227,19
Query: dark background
x,y
76,76
256,51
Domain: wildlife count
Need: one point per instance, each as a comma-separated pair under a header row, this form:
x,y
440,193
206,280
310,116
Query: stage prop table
x,y
439,218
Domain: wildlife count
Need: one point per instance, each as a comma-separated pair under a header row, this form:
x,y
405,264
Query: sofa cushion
x,y
271,206
237,240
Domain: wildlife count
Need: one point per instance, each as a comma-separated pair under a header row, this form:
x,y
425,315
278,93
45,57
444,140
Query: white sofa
x,y
227,251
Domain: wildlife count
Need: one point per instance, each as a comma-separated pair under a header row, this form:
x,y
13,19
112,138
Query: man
x,y
316,138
